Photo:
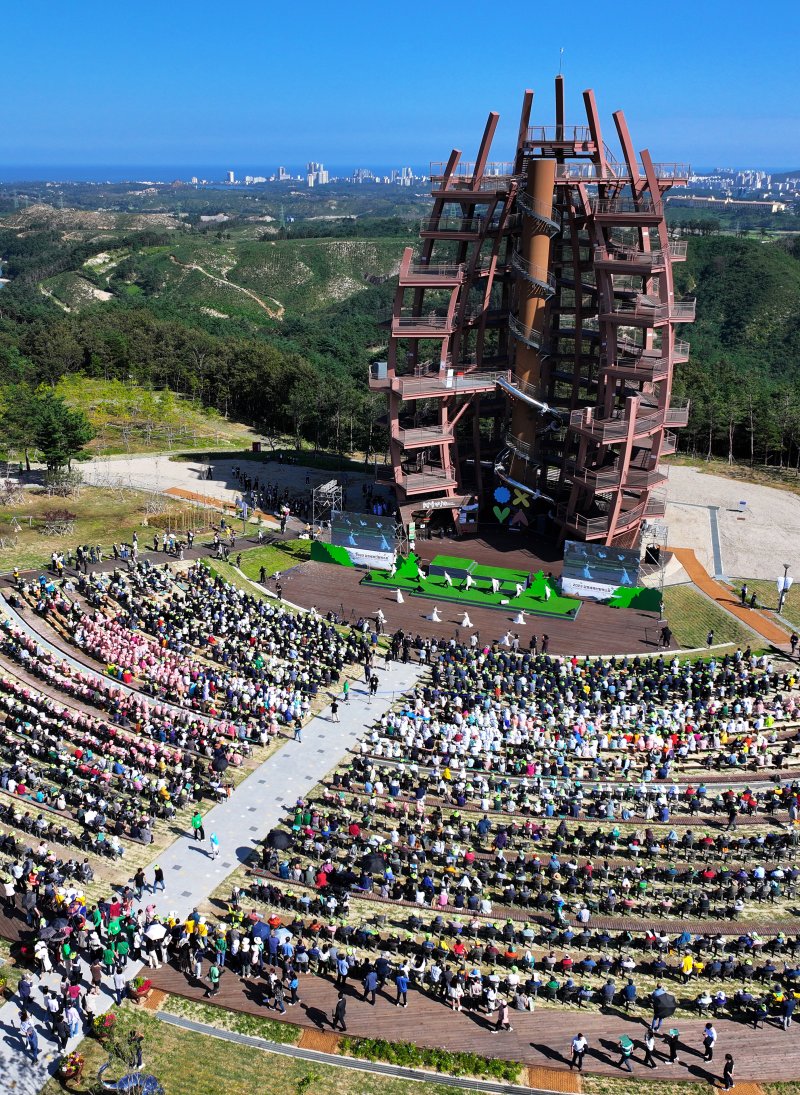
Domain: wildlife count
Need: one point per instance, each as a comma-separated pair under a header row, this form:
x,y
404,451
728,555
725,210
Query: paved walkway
x,y
539,1039
721,596
240,823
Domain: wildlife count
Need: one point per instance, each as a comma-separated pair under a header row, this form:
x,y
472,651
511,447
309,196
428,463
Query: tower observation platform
x,y
535,330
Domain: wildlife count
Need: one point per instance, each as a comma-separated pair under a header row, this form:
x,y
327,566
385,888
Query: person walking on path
x,y
787,1010
625,1053
298,730
346,691
278,1000
649,1047
342,970
197,826
158,878
503,1022
339,1013
120,985
213,842
579,1047
743,594
335,711
30,1039
727,1072
659,990
25,990
139,883
672,1039
62,1032
213,980
401,983
709,1038
370,985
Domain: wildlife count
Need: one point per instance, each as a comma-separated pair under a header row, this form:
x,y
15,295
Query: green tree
x,y
18,406
58,432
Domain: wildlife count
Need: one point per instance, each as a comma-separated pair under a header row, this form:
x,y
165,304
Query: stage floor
x,y
598,629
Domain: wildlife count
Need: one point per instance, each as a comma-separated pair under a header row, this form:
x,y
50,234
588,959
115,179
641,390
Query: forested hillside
x,y
276,327
744,373
275,332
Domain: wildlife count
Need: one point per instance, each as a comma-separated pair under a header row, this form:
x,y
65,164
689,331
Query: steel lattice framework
x,y
541,303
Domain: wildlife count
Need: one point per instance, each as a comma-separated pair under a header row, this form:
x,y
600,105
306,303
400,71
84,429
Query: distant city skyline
x,y
188,85
11,174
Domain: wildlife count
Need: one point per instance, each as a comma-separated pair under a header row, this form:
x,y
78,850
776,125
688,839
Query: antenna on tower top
x,y
560,59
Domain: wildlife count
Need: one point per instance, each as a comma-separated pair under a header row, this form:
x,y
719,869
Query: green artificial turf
x,y
646,600
407,579
330,553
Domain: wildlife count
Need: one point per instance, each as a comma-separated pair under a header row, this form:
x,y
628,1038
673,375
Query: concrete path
x,y
727,601
240,823
156,472
261,800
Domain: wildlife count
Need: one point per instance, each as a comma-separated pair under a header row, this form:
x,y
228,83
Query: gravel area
x,y
753,542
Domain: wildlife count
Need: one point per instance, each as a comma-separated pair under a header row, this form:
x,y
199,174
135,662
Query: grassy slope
x,y
303,275
767,594
275,557
192,1064
308,275
691,616
102,516
128,418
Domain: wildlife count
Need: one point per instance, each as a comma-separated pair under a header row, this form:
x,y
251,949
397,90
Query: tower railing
x,y
613,171
559,134
626,207
456,225
547,215
528,335
538,276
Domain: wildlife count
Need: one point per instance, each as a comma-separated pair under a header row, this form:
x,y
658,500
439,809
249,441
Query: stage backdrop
x,y
370,541
596,571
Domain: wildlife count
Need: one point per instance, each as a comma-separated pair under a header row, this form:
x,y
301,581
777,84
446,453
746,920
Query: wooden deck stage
x,y
539,1039
597,630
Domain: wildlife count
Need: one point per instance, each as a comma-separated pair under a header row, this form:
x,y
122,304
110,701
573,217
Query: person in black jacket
x,y
339,1013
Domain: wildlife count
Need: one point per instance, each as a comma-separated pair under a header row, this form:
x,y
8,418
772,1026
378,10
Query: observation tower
x,y
534,334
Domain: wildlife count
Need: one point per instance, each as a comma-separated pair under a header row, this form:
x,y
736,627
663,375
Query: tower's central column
x,y
535,253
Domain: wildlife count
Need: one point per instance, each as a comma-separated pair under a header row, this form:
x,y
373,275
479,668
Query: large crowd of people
x,y
205,645
541,826
520,829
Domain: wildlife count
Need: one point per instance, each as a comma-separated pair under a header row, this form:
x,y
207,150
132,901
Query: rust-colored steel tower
x,y
547,280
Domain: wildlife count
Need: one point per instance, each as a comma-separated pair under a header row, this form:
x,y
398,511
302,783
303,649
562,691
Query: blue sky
x,y
254,84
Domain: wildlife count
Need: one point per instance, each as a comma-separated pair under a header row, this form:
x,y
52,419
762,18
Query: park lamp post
x,y
784,584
